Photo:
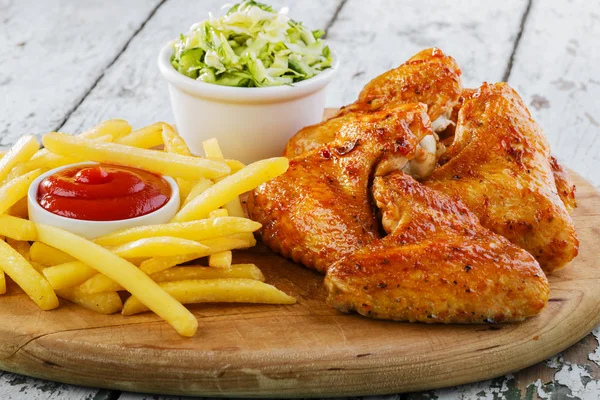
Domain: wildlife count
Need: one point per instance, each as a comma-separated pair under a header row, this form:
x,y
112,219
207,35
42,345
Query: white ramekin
x,y
94,229
250,123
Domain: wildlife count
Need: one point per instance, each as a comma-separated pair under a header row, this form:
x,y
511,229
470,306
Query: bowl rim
x,y
33,189
242,94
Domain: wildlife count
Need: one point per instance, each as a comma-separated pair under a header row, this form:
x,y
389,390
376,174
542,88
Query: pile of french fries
x,y
145,262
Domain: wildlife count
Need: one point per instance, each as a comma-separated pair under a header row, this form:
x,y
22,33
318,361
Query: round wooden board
x,y
303,350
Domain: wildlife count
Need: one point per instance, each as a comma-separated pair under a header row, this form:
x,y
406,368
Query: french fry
x,y
69,274
15,190
216,291
19,209
144,138
47,255
21,246
244,271
202,185
224,259
100,283
217,245
231,187
24,275
2,282
235,165
116,128
176,145
194,230
161,246
212,150
22,151
103,303
173,142
124,273
17,228
154,161
38,267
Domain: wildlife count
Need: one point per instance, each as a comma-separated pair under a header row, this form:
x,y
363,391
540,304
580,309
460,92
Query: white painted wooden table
x,y
68,64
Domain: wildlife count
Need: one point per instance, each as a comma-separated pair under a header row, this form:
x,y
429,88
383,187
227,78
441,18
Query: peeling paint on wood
x,y
52,52
556,71
374,36
68,45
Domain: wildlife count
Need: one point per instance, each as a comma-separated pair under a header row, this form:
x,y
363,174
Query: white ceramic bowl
x,y
250,123
94,229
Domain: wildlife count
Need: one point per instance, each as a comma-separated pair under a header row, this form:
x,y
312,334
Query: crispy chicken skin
x,y
438,264
320,210
564,184
499,167
429,77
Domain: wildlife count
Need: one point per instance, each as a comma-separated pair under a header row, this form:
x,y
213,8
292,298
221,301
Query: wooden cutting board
x,y
303,350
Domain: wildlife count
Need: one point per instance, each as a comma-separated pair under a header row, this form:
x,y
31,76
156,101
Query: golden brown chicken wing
x,y
320,210
499,167
429,77
564,184
438,264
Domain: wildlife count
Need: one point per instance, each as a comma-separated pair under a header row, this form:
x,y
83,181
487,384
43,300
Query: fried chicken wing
x,y
498,165
438,264
429,77
564,184
320,210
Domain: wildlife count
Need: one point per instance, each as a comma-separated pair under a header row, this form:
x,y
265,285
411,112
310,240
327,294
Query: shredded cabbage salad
x,y
251,46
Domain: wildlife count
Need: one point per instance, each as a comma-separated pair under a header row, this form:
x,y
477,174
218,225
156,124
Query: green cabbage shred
x,y
251,46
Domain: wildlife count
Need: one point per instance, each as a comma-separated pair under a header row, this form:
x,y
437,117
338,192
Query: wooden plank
x,y
51,54
308,348
133,89
556,71
374,36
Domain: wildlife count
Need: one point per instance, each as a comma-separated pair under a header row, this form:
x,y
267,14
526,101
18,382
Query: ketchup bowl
x,y
87,226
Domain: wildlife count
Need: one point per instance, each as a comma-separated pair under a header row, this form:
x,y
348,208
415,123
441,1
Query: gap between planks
x,y
511,59
91,88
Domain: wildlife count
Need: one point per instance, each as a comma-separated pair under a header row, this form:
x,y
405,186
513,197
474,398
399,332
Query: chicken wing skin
x,y
564,184
429,77
499,167
438,264
320,210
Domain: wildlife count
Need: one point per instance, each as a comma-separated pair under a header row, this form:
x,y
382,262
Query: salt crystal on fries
x,y
103,303
154,161
17,228
28,279
22,151
231,187
216,291
124,273
193,230
161,246
15,190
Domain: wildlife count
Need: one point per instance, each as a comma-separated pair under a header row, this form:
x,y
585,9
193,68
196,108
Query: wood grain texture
x,y
375,36
52,52
133,89
556,71
307,349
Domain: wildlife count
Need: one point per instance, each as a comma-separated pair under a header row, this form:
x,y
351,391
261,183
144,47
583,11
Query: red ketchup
x,y
103,192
